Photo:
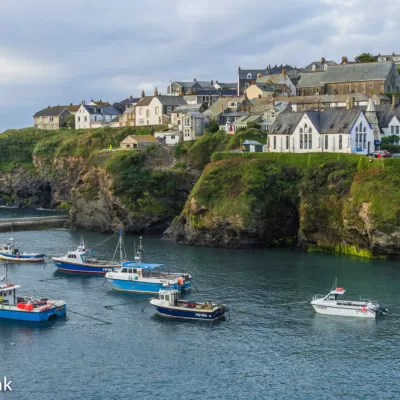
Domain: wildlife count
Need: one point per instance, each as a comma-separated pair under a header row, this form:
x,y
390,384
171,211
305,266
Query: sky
x,y
57,53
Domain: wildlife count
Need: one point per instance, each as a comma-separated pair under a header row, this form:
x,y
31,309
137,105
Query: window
x,y
301,130
249,76
356,140
310,130
79,119
85,118
363,87
301,140
140,111
172,136
326,142
147,113
355,88
365,141
287,142
95,117
392,129
274,142
157,110
341,89
397,129
310,141
340,142
365,129
246,86
348,89
51,119
169,110
356,128
305,140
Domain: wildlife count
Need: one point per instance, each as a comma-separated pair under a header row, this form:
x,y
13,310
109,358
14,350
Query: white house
x,y
170,137
335,130
96,115
157,109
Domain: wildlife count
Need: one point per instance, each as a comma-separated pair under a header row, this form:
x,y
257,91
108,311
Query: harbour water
x,y
269,349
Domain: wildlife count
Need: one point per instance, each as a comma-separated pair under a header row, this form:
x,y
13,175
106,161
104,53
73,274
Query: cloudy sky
x,y
56,53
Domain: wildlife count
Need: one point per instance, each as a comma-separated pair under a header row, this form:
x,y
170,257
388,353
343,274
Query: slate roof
x,y
385,114
171,100
190,84
187,107
55,111
245,119
109,110
265,71
347,73
252,142
319,66
231,85
335,120
145,101
130,100
215,108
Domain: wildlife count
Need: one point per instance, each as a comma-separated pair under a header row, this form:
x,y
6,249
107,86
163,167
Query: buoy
x,y
180,281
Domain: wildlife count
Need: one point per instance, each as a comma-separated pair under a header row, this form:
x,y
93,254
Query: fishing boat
x,y
141,277
27,308
10,253
81,260
331,304
168,305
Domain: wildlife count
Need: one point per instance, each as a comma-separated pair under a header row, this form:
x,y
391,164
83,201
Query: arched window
x,y
360,126
310,130
365,129
356,128
301,130
147,113
249,76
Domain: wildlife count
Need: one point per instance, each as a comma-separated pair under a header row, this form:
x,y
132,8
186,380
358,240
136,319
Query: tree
x,y
365,57
214,126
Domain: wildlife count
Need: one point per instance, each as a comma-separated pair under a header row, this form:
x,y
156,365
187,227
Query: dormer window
x,y
249,76
381,58
314,68
325,67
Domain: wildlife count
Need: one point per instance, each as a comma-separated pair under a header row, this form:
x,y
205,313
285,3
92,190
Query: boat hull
x,y
140,286
32,316
22,257
83,268
342,311
188,314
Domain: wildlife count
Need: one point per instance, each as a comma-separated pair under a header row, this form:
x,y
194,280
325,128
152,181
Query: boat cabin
x,y
170,296
8,248
8,294
333,295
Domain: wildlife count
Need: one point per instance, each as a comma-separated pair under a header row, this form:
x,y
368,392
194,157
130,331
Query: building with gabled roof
x,y
94,115
138,142
319,66
53,118
366,78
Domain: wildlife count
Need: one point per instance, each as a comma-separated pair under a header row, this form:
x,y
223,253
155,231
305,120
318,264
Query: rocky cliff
x,y
341,203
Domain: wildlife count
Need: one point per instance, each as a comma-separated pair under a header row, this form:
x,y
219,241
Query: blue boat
x,y
8,252
27,308
168,305
80,261
140,277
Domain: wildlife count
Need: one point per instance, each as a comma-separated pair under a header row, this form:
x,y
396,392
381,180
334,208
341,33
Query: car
x,y
383,153
396,155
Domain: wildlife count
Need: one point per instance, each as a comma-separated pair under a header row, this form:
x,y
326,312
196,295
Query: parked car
x,y
396,155
383,153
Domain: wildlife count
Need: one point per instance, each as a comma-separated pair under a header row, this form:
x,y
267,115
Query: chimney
x,y
345,60
284,72
322,60
155,92
242,107
194,79
253,82
143,94
348,104
394,101
352,101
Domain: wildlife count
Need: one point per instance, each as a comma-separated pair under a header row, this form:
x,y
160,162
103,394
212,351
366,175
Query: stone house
x,y
366,78
335,130
157,109
53,118
138,142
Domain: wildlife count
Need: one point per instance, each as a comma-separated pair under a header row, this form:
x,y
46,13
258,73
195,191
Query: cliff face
x,y
348,205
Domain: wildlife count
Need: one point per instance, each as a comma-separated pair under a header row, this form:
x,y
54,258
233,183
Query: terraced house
x,y
53,118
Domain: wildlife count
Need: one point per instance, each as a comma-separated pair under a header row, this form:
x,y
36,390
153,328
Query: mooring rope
x,y
87,316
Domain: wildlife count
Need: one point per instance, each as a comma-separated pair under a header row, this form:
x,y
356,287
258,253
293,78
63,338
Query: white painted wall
x,y
393,128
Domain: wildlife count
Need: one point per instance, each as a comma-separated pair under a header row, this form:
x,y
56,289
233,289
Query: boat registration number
x,y
201,315
107,269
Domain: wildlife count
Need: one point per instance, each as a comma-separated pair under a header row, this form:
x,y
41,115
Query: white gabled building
x,y
95,116
193,125
335,131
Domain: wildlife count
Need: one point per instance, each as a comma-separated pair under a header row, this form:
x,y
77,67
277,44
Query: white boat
x,y
8,252
332,305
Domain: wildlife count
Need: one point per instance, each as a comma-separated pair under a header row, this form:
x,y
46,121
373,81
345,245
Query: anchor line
x,y
97,245
111,306
87,316
286,304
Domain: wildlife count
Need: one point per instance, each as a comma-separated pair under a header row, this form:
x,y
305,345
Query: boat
x,y
168,305
141,277
8,252
80,261
331,304
27,308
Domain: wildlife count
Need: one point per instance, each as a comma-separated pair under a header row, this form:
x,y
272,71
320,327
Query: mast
x,y
120,246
